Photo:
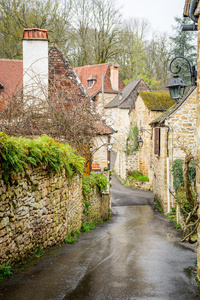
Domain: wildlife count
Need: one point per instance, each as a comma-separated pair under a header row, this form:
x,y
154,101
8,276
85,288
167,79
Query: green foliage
x,y
93,180
185,206
158,205
183,44
38,252
70,239
177,171
86,209
5,271
85,227
17,153
19,14
91,225
152,82
77,232
132,140
138,176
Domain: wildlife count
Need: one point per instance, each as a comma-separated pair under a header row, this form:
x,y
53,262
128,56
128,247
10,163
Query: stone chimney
x,y
35,63
114,77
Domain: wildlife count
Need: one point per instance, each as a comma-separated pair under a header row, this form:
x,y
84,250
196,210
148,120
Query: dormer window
x,y
91,80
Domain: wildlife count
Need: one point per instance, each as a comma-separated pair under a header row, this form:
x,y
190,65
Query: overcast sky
x,y
160,13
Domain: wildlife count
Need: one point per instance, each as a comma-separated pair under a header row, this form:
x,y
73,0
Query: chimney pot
x,y
35,33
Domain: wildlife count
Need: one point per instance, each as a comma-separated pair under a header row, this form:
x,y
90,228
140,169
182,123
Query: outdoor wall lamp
x,y
176,85
140,141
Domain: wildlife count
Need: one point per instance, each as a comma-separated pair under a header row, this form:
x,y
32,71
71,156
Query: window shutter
x,y
157,141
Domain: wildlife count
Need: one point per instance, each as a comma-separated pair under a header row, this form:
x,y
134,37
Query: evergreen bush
x,y
17,153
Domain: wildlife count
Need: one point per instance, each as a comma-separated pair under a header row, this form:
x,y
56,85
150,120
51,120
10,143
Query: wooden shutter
x,y
157,141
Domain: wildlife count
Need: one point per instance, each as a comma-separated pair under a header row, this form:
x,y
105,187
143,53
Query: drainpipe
x,y
193,6
168,185
189,27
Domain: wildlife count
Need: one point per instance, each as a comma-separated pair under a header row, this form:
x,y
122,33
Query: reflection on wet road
x,y
137,255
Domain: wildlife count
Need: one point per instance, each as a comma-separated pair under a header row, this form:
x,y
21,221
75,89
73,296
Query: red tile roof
x,y
97,71
11,77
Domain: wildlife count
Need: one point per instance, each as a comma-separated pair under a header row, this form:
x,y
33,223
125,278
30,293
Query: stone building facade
x,y
102,83
177,130
148,106
117,116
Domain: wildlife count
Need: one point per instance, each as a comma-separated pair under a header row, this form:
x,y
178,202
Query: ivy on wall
x,y
132,139
177,171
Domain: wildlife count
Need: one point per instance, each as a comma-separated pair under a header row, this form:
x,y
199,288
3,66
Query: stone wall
x,y
198,144
132,161
40,209
142,116
160,171
182,133
102,100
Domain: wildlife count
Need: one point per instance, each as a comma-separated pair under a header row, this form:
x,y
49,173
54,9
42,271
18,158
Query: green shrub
x,y
93,180
38,252
177,171
5,271
70,239
85,227
132,144
138,176
17,153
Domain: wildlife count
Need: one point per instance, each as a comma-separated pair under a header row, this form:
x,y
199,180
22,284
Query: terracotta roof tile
x,y
97,71
11,78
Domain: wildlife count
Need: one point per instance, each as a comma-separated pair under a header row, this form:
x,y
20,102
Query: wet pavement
x,y
136,255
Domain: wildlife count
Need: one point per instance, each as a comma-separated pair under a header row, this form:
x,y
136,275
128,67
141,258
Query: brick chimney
x,y
114,77
35,63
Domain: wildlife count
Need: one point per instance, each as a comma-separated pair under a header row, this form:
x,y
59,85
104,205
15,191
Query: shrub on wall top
x,y
89,182
17,153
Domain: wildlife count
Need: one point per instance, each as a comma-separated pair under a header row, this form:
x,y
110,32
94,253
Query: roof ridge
x,y
173,108
66,62
139,79
10,59
91,65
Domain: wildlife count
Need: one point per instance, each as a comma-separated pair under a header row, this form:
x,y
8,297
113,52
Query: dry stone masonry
x,y
38,209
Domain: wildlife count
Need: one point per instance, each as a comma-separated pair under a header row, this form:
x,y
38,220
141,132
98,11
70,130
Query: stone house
x,y
40,66
102,83
148,106
172,131
194,8
117,116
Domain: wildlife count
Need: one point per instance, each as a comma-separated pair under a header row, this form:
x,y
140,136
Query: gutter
x,y
193,6
192,27
168,185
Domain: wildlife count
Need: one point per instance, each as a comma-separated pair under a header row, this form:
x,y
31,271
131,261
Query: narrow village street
x,y
136,255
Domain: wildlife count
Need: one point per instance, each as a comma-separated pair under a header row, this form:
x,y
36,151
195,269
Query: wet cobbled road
x,y
136,255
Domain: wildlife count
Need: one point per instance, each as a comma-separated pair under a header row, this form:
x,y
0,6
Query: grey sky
x,y
160,13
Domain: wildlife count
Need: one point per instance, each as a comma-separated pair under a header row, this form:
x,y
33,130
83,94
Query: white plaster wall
x,y
100,156
35,68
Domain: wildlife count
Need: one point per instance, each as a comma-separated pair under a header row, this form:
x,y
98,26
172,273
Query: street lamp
x,y
140,142
176,85
141,130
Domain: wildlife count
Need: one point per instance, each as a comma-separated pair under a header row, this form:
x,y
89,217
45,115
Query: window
x,y
90,83
157,141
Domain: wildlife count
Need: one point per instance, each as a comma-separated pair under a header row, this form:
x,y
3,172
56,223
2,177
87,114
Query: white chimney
x,y
114,77
35,64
